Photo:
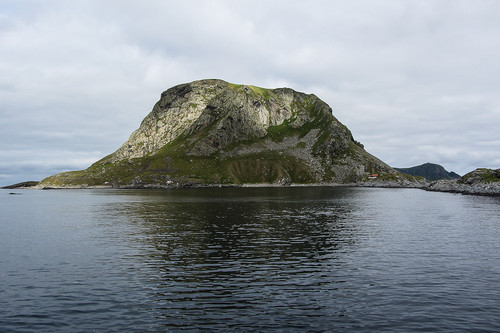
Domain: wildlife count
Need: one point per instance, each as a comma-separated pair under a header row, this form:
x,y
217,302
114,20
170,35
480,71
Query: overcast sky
x,y
415,81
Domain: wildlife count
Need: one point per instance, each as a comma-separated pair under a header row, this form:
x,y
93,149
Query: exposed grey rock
x,y
479,182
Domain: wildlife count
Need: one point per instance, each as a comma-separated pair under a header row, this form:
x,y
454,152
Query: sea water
x,y
249,259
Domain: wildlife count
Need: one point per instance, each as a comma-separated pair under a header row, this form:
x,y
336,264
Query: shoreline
x,y
491,189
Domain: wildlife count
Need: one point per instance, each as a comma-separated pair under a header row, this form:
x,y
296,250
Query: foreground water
x,y
249,259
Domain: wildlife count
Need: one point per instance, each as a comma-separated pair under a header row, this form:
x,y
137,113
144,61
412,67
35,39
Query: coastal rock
x,y
395,182
480,182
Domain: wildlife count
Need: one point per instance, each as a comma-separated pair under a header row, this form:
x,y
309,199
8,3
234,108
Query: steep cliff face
x,y
213,114
211,131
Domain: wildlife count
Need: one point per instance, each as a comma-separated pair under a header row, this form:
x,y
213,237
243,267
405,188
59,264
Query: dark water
x,y
255,259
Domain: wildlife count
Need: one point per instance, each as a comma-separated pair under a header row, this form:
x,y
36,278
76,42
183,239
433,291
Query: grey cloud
x,y
415,81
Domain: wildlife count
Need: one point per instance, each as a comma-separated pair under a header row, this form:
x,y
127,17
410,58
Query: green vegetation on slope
x,y
170,164
481,175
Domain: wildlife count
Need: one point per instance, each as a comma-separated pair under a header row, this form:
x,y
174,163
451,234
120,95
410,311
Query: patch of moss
x,y
319,119
388,177
278,132
265,93
351,150
323,138
233,86
268,167
490,178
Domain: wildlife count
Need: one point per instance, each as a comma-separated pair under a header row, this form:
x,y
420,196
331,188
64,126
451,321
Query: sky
x,y
415,81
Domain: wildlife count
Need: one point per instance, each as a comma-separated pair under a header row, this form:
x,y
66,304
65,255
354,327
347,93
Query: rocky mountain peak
x,y
224,114
212,131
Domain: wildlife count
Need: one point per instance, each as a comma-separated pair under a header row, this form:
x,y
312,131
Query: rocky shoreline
x,y
448,186
453,186
481,181
485,182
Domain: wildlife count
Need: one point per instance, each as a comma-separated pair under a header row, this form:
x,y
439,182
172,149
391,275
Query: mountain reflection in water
x,y
245,249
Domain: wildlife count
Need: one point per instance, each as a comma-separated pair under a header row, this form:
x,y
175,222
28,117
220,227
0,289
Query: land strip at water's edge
x,y
453,186
491,188
27,184
481,181
449,186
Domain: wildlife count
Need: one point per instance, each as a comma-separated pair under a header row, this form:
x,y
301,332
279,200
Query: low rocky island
x,y
479,182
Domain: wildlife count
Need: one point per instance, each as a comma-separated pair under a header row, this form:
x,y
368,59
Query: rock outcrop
x,y
214,132
480,182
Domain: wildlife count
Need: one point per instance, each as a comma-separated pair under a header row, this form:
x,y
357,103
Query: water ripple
x,y
297,259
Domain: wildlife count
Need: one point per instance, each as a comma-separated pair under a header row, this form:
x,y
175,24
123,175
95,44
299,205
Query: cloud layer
x,y
415,81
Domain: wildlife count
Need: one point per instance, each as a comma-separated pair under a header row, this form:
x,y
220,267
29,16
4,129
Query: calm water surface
x,y
249,259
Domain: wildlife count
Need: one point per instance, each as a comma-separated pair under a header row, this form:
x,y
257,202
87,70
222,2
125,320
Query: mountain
x,y
429,171
215,132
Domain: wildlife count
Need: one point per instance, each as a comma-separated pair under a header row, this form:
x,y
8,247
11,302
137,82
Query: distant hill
x,y
429,171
